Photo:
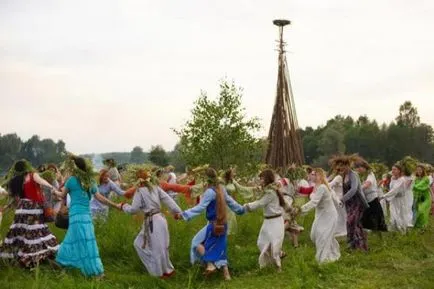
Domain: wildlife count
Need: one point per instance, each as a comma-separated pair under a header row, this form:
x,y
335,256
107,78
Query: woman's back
x,y
326,200
32,190
150,198
79,198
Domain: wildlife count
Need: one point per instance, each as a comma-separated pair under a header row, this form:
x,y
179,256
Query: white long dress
x,y
272,232
397,205
338,190
409,200
152,243
324,225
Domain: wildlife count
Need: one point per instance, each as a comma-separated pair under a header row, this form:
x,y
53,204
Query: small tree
x,y
137,155
408,116
158,156
176,159
218,132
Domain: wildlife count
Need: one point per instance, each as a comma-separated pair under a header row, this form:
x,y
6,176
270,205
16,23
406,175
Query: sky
x,y
109,75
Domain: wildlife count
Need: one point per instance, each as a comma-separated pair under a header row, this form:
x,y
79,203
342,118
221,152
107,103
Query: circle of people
x,y
344,205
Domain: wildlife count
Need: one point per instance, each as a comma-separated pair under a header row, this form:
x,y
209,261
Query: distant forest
x,y
385,143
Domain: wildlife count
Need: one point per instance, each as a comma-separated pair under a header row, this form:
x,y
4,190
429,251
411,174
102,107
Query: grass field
x,y
394,262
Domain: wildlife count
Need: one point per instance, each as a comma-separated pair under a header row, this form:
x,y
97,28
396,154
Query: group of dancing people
x,y
349,202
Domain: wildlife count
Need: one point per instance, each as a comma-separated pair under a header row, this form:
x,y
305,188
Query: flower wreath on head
x,y
48,175
86,178
13,173
145,179
295,173
408,165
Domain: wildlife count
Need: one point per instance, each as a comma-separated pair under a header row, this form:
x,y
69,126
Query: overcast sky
x,y
109,75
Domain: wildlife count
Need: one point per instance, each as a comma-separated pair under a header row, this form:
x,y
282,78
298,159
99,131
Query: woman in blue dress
x,y
79,248
210,244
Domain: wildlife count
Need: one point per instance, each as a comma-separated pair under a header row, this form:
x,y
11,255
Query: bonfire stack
x,y
284,140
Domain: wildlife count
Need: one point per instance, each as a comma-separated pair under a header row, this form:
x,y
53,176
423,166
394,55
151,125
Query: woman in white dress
x,y
337,188
409,198
326,217
152,243
272,232
397,201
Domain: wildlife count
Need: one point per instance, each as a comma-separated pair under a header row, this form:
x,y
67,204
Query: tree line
x,y
384,143
38,151
220,134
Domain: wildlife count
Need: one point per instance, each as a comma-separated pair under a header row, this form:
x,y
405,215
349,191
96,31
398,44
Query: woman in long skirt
x,y
326,217
355,202
409,198
373,218
210,243
422,198
79,248
397,201
152,243
272,233
29,240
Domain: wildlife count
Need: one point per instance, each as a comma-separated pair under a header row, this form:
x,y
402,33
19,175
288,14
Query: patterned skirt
x,y
29,240
356,237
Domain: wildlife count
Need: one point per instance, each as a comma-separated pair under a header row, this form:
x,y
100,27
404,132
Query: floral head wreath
x,y
13,173
86,178
144,178
48,175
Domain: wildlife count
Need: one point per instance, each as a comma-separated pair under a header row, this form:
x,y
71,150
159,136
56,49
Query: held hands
x,y
56,192
177,216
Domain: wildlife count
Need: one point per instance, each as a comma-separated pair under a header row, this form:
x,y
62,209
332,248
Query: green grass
x,y
394,262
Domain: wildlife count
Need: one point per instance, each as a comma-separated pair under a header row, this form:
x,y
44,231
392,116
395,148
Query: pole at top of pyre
x,y
284,141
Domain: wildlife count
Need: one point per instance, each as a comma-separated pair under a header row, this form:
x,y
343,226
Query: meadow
x,y
394,261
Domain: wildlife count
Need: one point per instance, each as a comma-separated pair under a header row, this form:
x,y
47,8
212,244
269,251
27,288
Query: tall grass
x,y
395,261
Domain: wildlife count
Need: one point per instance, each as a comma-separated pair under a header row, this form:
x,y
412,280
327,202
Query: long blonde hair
x,y
213,181
320,173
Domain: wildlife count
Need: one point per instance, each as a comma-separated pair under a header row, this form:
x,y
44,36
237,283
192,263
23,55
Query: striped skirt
x,y
29,240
